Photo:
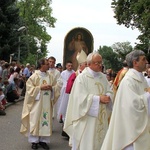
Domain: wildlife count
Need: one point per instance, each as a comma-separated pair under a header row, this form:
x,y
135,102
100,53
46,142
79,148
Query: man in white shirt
x,y
88,108
130,121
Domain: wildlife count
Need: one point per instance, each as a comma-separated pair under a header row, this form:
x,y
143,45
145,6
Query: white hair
x,y
90,57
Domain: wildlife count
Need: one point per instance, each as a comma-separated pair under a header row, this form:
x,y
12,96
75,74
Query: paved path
x,y
11,139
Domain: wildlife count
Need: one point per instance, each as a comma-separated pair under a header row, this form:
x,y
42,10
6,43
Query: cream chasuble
x,y
37,112
87,131
130,121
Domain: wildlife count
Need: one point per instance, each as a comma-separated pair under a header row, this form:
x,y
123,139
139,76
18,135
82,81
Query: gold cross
x,y
100,87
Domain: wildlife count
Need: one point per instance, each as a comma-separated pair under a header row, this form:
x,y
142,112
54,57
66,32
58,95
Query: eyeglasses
x,y
98,63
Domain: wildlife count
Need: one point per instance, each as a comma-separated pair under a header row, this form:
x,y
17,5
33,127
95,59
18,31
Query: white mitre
x,y
81,57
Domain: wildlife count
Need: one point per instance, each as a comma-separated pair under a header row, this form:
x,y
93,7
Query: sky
x,y
94,15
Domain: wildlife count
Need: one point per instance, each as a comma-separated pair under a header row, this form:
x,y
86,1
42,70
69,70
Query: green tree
x,y
9,17
134,14
37,15
122,49
110,58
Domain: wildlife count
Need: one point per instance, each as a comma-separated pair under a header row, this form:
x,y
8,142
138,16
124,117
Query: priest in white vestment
x,y
63,99
89,107
129,127
36,120
56,75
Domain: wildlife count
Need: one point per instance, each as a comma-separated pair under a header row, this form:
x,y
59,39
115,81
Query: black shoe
x,y
34,146
44,145
64,134
60,121
2,113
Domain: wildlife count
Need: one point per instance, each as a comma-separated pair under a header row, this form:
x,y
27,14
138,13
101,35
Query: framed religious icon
x,y
76,40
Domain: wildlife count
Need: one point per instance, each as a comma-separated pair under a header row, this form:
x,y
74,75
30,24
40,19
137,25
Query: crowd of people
x,y
99,109
13,79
